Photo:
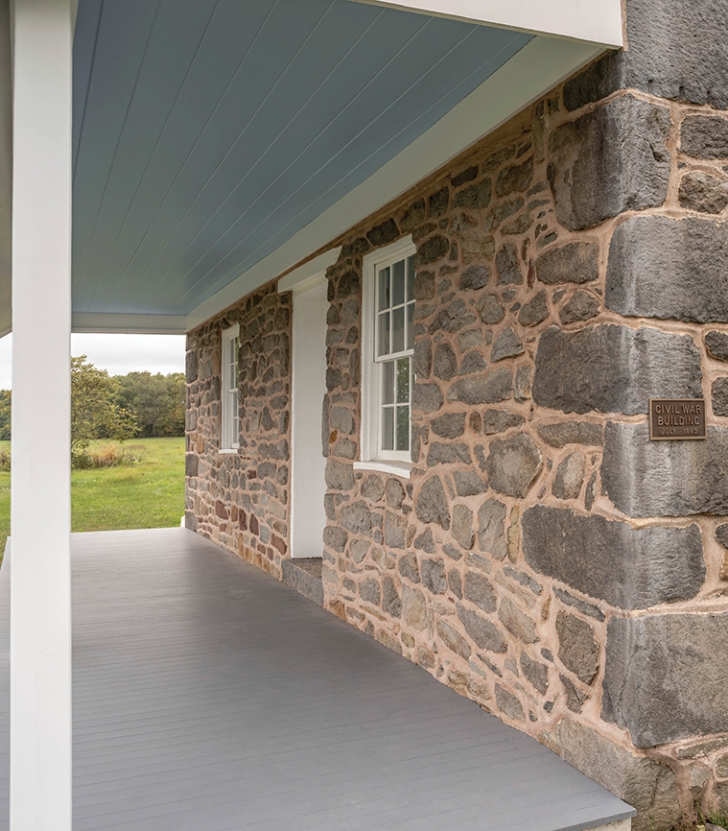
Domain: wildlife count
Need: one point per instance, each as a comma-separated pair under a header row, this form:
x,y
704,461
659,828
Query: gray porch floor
x,y
210,697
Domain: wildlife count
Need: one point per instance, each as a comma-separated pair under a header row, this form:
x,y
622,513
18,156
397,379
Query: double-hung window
x,y
229,384
388,345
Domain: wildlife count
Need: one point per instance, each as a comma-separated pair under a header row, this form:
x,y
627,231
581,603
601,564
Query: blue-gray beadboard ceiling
x,y
208,132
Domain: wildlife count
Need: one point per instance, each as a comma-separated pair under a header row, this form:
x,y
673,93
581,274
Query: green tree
x,y
95,413
158,401
5,398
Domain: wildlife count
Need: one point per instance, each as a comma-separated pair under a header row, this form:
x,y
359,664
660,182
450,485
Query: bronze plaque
x,y
673,419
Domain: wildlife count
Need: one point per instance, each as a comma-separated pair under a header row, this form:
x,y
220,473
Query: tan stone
x,y
414,608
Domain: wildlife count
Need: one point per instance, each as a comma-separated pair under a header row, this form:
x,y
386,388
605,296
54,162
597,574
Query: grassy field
x,y
148,494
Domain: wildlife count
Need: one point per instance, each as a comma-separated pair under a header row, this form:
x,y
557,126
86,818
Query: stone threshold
x,y
304,575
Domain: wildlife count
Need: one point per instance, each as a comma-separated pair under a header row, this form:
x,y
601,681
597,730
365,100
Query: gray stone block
x,y
575,262
704,137
611,561
676,50
643,783
669,269
614,369
611,160
646,478
666,677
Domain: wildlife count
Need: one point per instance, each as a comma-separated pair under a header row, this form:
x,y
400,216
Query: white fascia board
x,y
593,21
128,324
309,273
540,66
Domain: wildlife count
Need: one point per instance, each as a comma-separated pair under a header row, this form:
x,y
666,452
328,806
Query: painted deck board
x,y
208,695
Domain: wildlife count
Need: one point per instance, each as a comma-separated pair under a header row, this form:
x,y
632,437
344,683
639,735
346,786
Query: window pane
x,y
388,428
403,381
398,330
384,289
383,341
388,382
403,428
410,277
410,344
398,283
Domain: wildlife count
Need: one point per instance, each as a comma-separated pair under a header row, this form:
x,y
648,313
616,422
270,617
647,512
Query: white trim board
x,y
592,21
129,324
310,273
540,66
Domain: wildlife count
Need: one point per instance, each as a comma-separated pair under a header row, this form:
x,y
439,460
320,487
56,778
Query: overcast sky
x,y
118,354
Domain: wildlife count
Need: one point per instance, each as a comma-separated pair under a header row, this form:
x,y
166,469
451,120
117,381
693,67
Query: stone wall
x,y
544,559
240,499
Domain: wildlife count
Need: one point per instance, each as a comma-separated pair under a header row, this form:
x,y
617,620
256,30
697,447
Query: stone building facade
x,y
543,557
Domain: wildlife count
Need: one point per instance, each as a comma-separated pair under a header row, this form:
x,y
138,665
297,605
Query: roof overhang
x,y
568,35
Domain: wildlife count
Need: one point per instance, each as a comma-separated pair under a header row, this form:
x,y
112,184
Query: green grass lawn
x,y
148,494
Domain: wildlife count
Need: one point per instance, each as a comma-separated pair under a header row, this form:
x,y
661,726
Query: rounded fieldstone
x,y
491,528
485,634
569,477
433,575
414,608
578,647
583,305
507,345
508,266
373,487
716,344
702,192
513,465
453,640
704,137
719,392
479,591
445,364
462,526
535,311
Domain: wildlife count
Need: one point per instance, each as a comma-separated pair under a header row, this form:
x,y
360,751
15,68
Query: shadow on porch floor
x,y
209,696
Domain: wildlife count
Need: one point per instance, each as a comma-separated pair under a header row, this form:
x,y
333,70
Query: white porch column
x,y
40,642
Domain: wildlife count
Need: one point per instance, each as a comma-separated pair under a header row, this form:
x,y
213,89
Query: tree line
x,y
137,404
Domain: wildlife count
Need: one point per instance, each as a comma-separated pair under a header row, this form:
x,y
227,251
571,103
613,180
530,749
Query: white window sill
x,y
403,469
228,450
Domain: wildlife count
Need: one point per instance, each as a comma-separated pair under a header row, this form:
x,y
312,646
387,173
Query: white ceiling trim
x,y
594,21
128,324
541,65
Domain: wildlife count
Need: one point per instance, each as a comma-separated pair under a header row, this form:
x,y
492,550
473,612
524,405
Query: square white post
x,y
40,605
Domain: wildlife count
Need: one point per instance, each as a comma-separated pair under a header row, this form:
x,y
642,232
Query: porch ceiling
x,y
219,142
207,133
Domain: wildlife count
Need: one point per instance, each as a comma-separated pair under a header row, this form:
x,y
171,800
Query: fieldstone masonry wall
x,y
240,499
544,558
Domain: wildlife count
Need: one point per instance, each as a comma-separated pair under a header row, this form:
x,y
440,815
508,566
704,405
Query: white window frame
x,y
372,457
229,410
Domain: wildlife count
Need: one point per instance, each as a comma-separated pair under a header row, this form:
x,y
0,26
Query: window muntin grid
x,y
394,338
